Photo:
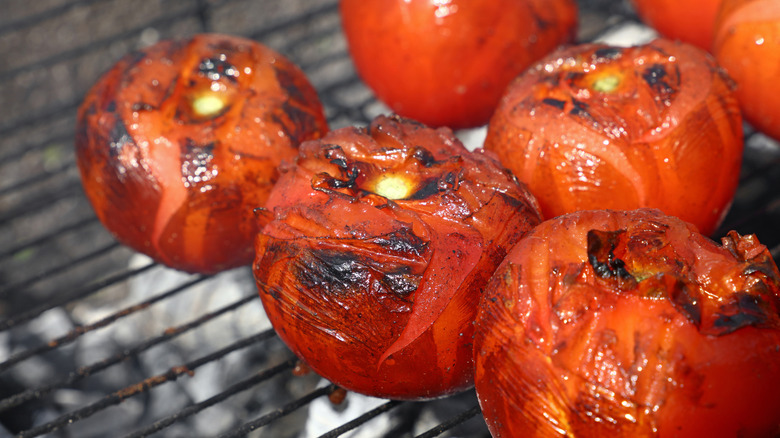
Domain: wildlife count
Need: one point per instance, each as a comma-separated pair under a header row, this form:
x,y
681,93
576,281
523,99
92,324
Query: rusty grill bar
x,y
56,260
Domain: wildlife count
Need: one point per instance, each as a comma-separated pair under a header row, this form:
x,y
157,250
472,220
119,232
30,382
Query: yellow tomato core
x,y
393,187
208,104
606,83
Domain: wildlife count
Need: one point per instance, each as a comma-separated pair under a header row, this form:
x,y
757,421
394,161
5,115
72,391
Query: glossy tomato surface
x,y
446,62
594,126
379,244
747,45
179,142
629,324
690,21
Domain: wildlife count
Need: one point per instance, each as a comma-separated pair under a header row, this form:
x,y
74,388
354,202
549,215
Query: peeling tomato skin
x,y
581,332
376,294
447,63
593,126
178,142
747,44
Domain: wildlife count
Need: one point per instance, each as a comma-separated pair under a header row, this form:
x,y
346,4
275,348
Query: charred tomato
x,y
379,242
446,62
603,323
594,126
690,21
179,142
747,45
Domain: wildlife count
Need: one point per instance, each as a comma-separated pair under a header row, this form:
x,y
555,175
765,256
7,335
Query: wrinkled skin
x,y
375,285
446,63
690,21
630,324
747,45
179,142
594,126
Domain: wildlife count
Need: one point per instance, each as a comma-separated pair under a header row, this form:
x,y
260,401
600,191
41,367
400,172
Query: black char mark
x,y
216,68
610,53
560,104
333,273
403,241
746,310
601,256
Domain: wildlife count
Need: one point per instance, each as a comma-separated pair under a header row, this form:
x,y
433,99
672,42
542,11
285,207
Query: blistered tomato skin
x,y
446,63
179,142
690,21
594,126
379,242
626,324
747,45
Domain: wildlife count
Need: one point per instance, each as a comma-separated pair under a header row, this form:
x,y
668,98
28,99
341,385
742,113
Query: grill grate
x,y
96,340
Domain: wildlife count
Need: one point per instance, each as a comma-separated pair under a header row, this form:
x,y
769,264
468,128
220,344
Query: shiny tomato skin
x,y
747,45
631,323
178,143
594,126
690,21
377,244
446,63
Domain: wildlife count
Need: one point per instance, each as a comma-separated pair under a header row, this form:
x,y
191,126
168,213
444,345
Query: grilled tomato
x,y
630,324
595,126
179,142
446,62
690,21
379,243
747,45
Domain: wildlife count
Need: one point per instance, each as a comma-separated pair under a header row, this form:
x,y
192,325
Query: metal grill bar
x,y
79,331
45,238
279,413
359,421
243,385
145,385
59,300
452,422
87,371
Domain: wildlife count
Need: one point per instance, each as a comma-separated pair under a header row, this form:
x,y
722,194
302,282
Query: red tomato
x,y
747,45
630,324
690,21
177,144
446,62
380,244
594,126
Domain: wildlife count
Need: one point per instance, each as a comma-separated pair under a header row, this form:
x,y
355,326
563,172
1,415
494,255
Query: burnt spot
x,y
579,108
118,139
348,181
745,310
430,188
424,156
607,53
403,241
328,272
686,301
601,256
560,104
297,123
658,79
401,282
217,68
288,83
